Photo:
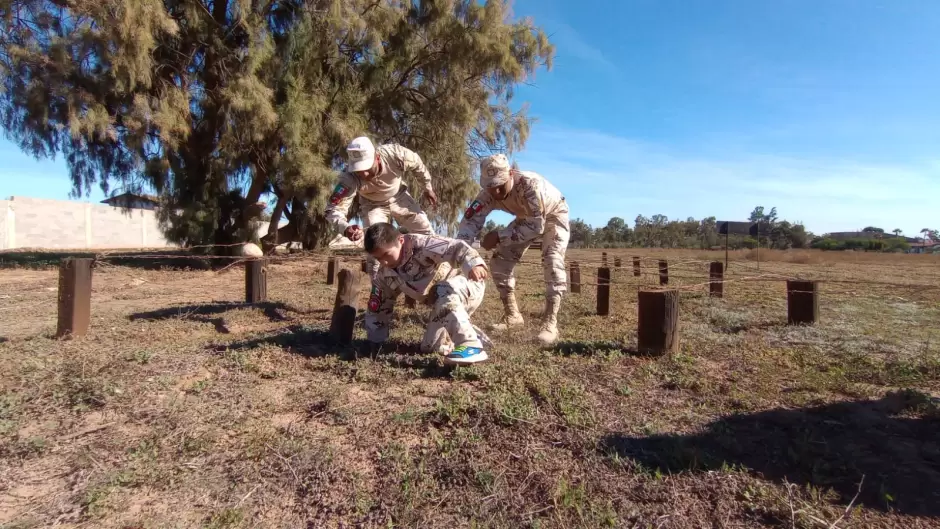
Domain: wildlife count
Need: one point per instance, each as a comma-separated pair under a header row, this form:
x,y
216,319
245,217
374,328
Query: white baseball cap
x,y
361,154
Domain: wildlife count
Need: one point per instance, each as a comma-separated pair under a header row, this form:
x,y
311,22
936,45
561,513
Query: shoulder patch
x,y
475,207
339,192
375,299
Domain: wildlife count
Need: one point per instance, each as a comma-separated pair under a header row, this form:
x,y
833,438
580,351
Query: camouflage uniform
x,y
541,211
433,271
383,198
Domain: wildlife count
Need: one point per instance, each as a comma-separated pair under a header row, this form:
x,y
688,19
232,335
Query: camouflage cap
x,y
494,170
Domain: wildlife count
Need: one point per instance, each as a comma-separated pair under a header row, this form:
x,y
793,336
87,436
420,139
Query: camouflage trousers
x,y
457,299
403,209
554,244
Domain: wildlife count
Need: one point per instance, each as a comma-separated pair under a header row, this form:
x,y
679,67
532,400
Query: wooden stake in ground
x,y
74,297
802,302
331,267
663,272
346,306
716,274
256,281
616,262
603,291
575,278
636,267
657,322
604,259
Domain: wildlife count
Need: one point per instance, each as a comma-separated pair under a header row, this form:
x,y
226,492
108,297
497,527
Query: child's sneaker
x,y
466,355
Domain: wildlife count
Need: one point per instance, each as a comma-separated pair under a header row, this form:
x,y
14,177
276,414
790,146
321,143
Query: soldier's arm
x,y
475,216
380,311
524,229
337,207
459,253
411,161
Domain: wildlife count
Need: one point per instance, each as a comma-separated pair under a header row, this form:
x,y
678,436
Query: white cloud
x,y
602,173
571,46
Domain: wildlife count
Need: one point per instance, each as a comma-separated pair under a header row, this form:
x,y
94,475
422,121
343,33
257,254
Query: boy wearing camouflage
x,y
541,211
375,174
445,273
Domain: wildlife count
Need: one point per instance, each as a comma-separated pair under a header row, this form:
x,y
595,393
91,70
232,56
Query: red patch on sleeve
x,y
375,300
474,208
338,193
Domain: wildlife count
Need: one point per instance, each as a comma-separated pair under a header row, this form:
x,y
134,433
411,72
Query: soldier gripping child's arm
x,y
375,175
447,273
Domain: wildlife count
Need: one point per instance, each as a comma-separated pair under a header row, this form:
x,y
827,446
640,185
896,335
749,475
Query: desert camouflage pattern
x,y
541,211
433,271
386,192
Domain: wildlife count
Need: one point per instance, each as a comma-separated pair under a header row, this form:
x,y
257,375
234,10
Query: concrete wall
x,y
39,223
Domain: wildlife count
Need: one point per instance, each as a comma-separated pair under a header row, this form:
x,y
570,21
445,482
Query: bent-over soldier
x,y
541,211
375,176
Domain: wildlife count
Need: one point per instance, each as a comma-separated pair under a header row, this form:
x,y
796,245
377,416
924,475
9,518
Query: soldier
x,y
375,174
445,273
541,211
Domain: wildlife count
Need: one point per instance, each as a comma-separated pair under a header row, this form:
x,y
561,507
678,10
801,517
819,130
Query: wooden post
x,y
331,270
616,262
575,279
663,272
802,302
636,267
657,322
603,291
604,259
716,276
346,306
256,281
74,297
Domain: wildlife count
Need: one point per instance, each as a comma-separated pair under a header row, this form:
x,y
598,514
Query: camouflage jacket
x,y
396,162
532,200
426,260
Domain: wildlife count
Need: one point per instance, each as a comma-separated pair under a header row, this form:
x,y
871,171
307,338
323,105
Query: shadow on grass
x,y
168,259
317,343
756,326
274,311
592,348
892,442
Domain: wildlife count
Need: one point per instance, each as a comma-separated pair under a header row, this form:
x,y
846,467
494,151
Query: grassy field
x,y
185,408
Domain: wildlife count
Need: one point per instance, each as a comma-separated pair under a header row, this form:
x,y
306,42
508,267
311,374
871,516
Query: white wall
x,y
62,224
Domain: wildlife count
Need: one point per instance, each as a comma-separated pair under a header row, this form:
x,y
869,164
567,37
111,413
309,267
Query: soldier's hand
x,y
353,233
477,273
431,197
490,240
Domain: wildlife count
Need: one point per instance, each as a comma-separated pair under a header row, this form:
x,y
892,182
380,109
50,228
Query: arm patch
x,y
375,299
339,192
474,208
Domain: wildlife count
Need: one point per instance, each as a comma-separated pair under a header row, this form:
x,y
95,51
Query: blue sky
x,y
828,110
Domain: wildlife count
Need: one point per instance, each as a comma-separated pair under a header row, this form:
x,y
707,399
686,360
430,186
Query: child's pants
x,y
457,298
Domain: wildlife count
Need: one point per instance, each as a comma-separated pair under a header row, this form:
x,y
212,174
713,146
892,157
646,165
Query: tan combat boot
x,y
548,330
512,316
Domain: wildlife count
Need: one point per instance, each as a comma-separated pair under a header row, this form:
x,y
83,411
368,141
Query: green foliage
x,y
890,244
215,104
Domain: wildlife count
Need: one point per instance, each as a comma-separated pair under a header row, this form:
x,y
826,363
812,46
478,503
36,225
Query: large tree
x,y
214,103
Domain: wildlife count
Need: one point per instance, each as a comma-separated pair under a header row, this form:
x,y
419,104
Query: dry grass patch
x,y
185,408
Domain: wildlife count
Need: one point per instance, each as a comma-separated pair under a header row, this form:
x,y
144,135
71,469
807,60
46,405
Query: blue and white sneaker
x,y
466,355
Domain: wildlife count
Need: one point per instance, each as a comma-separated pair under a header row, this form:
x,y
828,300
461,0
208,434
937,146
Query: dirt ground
x,y
185,407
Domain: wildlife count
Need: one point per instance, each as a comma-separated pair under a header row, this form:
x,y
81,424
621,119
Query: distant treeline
x,y
658,231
